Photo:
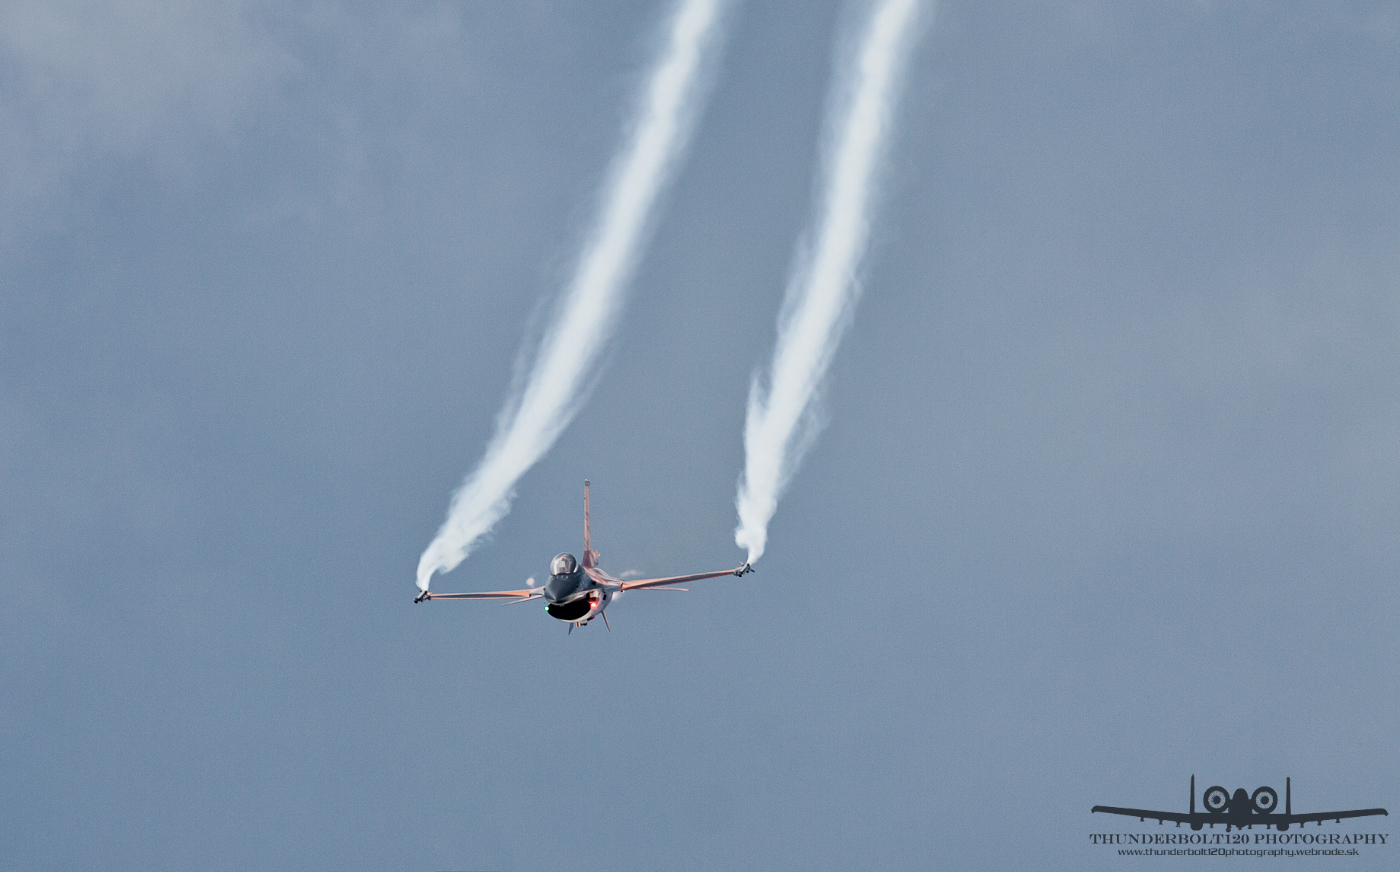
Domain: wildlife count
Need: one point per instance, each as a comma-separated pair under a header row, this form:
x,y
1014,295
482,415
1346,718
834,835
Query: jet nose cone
x,y
560,586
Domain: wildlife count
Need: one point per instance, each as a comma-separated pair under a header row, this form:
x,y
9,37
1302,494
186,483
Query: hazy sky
x,y
1108,495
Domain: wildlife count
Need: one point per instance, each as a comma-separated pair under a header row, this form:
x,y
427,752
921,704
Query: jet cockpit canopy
x,y
563,564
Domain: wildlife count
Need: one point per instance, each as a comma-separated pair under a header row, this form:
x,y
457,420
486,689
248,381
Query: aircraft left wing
x,y
1143,814
1329,815
678,579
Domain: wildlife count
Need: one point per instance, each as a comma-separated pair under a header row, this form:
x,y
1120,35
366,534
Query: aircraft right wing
x,y
1143,814
512,595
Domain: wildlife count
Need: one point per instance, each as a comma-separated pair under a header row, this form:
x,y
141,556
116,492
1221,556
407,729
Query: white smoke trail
x,y
823,290
533,419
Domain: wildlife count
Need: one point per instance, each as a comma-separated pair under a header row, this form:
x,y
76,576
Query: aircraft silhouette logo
x,y
1241,809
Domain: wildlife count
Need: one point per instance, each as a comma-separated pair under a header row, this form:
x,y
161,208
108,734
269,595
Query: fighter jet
x,y
578,591
1241,810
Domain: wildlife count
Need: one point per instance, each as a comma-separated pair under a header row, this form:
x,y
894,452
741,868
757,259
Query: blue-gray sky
x,y
1108,494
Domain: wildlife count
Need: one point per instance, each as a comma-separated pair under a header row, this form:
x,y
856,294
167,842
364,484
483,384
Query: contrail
x,y
533,417
822,289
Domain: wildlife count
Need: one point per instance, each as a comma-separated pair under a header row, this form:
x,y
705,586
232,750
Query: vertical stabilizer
x,y
590,557
1193,794
1288,796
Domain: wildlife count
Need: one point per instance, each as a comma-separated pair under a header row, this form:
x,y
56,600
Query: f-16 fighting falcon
x,y
1241,810
578,591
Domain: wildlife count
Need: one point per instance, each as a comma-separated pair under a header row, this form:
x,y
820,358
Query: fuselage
x,y
570,595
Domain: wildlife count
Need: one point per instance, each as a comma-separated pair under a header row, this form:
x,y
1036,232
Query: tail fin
x,y
590,557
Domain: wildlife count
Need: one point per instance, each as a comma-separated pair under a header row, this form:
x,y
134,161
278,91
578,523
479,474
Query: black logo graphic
x,y
1241,810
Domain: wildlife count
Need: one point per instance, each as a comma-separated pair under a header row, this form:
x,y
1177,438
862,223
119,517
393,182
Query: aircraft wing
x,y
517,595
1326,815
1143,814
678,579
1319,817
